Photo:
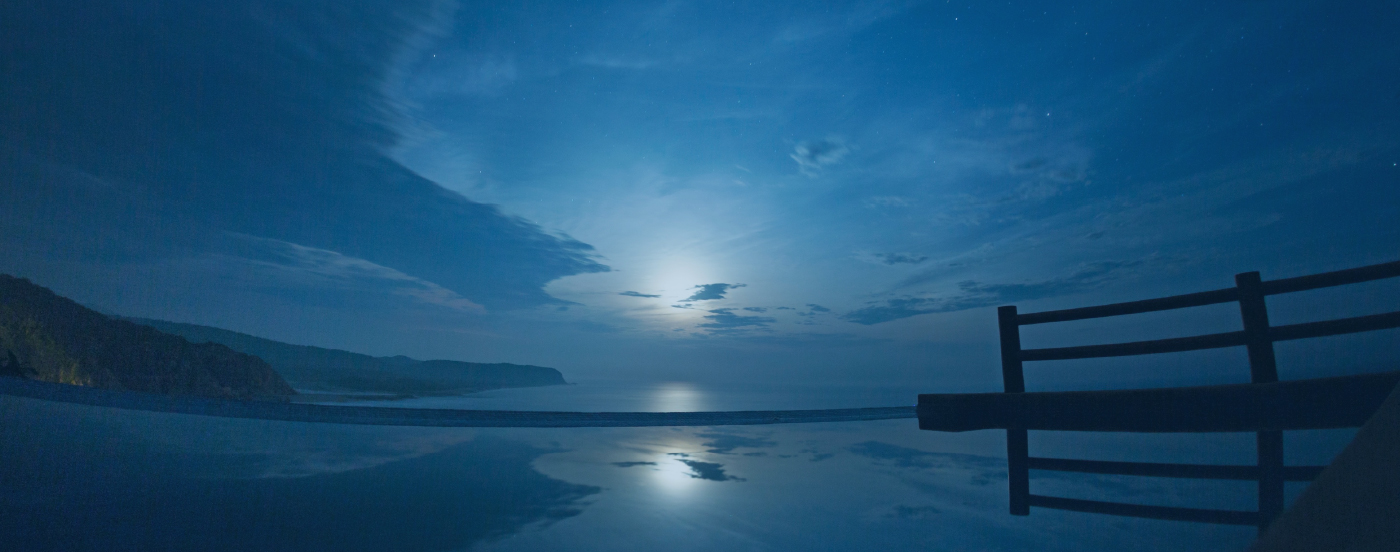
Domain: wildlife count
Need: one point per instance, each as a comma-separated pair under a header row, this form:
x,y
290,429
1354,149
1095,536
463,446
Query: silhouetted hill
x,y
332,370
51,338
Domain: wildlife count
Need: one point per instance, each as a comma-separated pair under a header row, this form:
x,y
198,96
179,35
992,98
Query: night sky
x,y
689,190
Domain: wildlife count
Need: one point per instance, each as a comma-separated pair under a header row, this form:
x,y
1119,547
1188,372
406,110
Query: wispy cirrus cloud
x,y
973,294
458,73
814,155
325,269
726,320
900,258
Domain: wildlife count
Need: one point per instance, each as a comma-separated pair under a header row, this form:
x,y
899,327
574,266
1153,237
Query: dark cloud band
x,y
278,131
711,292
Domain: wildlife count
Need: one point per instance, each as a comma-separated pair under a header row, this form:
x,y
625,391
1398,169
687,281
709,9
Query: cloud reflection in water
x,y
79,478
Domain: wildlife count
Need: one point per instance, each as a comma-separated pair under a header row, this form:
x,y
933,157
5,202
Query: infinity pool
x,y
90,478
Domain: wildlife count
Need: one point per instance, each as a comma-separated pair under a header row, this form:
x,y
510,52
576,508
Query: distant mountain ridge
x,y
47,337
332,370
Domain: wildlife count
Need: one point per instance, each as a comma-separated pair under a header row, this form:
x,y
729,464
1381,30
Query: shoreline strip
x,y
426,417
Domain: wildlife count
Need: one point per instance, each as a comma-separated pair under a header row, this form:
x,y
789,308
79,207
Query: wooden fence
x,y
1265,406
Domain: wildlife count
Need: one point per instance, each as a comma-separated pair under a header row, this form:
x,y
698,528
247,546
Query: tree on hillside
x,y
12,367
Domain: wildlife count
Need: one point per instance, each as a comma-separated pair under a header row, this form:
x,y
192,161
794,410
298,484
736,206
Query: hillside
x,y
48,337
332,370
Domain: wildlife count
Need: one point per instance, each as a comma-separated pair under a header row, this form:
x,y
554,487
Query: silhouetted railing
x,y
1265,406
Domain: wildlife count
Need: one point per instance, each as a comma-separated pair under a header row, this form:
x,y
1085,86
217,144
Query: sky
x,y
836,191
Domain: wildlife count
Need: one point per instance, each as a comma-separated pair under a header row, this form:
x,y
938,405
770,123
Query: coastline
x,y
424,417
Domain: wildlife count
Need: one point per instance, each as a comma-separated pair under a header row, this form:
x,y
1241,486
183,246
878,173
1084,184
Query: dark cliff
x,y
47,337
332,370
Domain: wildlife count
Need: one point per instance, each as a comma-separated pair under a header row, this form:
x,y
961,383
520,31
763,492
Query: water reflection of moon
x,y
677,397
672,476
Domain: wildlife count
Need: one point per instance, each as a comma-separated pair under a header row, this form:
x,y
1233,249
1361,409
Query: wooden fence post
x,y
1013,381
1262,369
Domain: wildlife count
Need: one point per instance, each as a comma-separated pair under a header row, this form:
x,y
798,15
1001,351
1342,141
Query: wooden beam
x,y
1330,279
1213,297
1171,345
1153,469
1198,299
1324,328
1262,369
1346,401
1200,515
1018,475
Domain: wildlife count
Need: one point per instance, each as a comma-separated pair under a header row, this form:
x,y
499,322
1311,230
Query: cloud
x,y
638,294
973,294
725,319
831,21
983,470
458,73
710,292
813,310
900,258
330,269
895,309
906,457
630,464
725,443
261,119
756,309
887,201
709,470
914,512
814,155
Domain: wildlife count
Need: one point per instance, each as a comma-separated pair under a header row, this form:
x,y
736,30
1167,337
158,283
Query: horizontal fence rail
x,y
1150,469
1332,279
1323,403
425,417
1172,345
1227,517
1199,299
1324,328
1342,326
1215,297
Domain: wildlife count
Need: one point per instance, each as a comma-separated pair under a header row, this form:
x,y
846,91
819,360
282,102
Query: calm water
x,y
621,396
87,478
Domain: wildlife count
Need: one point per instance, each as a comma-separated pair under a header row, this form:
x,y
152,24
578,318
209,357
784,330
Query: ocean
x,y
93,478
